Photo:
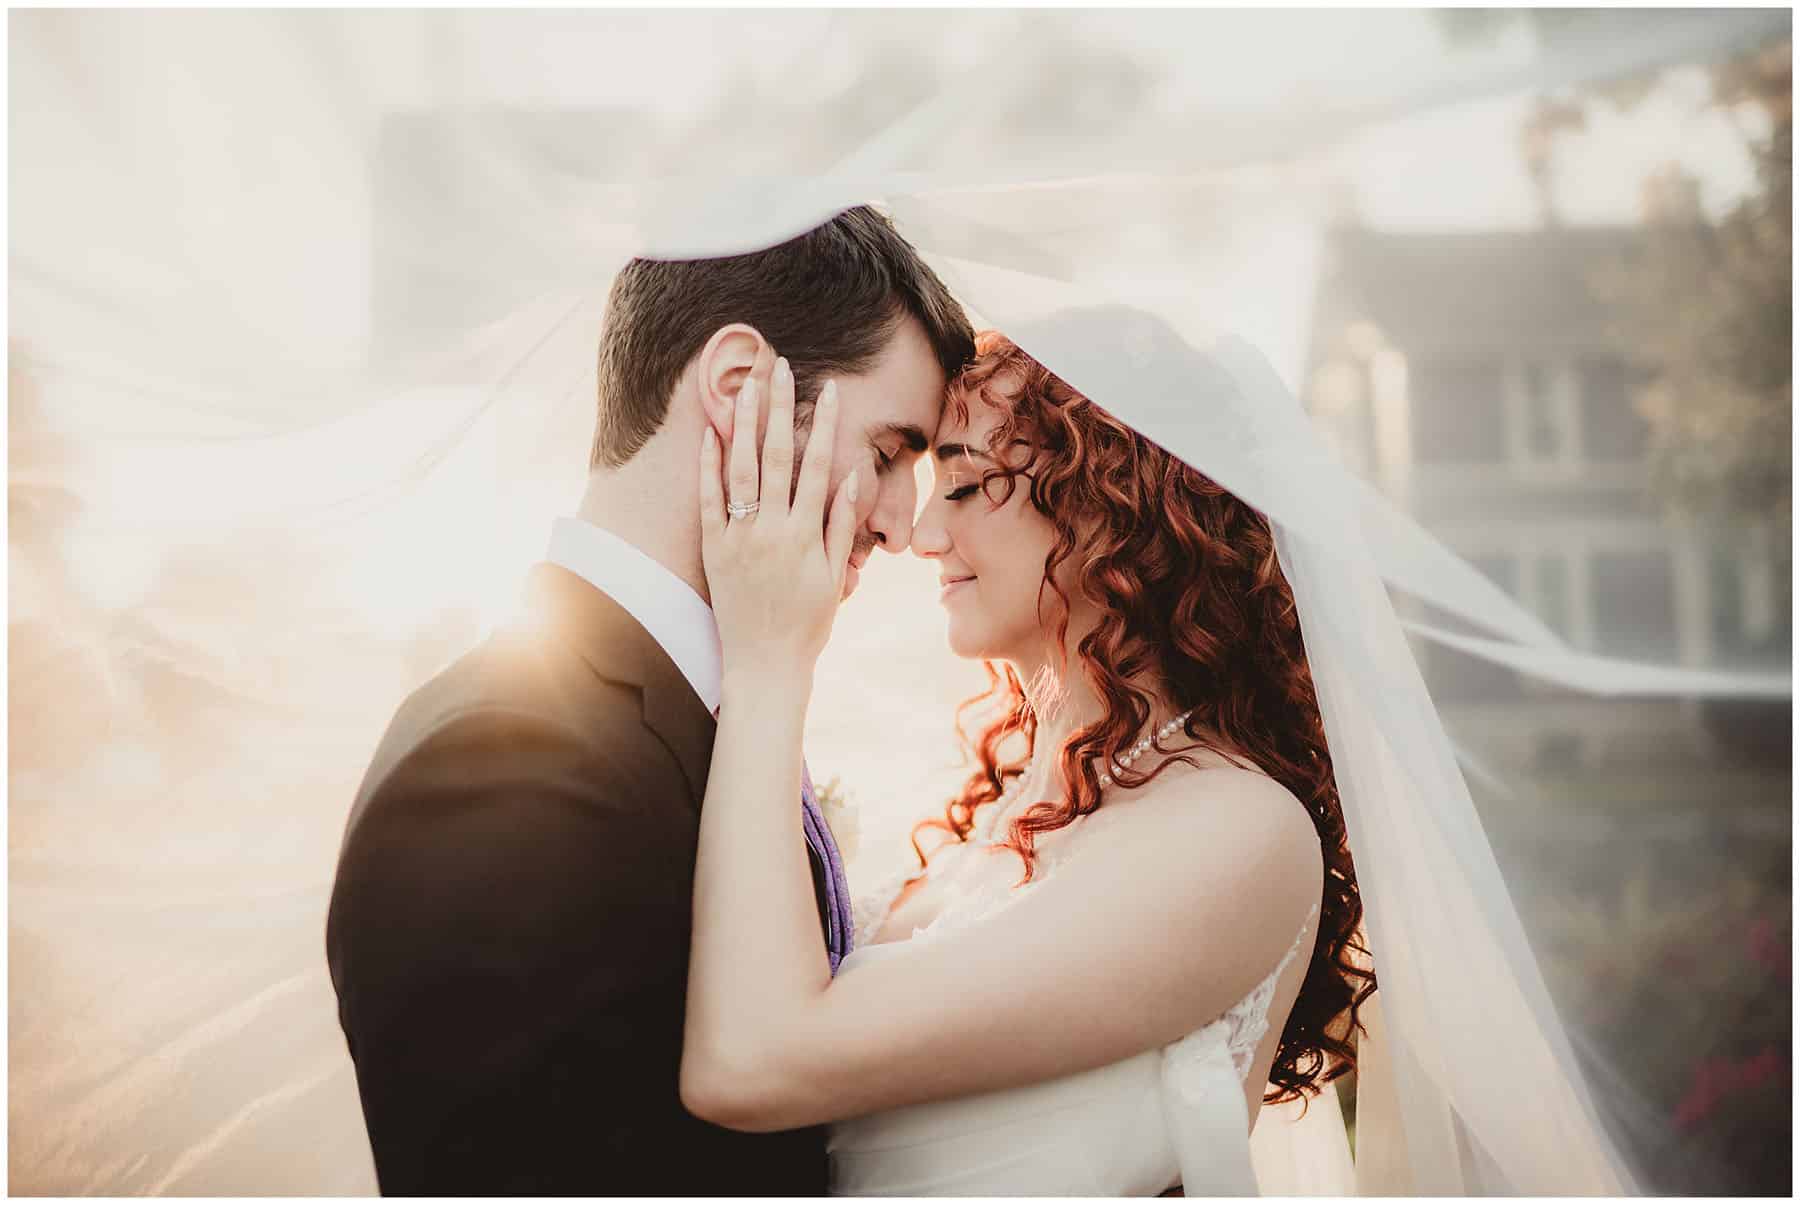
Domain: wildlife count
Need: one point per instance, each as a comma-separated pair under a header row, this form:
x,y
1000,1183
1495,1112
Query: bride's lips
x,y
951,584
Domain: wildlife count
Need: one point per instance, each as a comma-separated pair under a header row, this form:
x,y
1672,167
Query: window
x,y
1457,411
1541,414
1634,603
1612,430
1459,678
1748,610
1542,434
1555,606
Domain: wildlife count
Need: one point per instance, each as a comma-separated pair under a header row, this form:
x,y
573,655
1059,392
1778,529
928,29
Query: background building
x,y
1480,379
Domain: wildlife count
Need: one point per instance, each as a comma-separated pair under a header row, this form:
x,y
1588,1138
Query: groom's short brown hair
x,y
827,300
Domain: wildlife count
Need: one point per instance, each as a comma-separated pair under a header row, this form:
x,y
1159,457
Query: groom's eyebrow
x,y
910,434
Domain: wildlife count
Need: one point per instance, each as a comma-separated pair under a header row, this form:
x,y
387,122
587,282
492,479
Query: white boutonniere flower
x,y
840,814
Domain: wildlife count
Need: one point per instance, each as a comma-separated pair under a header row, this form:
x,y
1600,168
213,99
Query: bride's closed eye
x,y
959,491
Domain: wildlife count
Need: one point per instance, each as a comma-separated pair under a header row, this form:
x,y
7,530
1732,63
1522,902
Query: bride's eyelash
x,y
959,493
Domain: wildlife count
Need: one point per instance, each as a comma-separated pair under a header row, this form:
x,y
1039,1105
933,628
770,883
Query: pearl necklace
x,y
1004,803
1138,750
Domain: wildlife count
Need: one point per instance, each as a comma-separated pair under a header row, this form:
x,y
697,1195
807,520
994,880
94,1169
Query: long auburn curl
x,y
1192,600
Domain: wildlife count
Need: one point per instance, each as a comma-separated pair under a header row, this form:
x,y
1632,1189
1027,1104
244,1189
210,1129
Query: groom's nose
x,y
891,521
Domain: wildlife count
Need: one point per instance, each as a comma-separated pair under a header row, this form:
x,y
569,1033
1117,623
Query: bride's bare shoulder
x,y
1240,812
1215,858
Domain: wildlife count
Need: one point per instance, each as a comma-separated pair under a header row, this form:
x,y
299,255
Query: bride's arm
x,y
1179,901
1177,904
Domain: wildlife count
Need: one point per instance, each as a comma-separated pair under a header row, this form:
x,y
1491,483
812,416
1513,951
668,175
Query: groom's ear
x,y
735,353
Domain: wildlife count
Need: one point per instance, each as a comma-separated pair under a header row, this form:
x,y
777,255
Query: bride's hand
x,y
776,575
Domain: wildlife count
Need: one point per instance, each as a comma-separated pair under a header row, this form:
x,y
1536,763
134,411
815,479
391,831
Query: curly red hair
x,y
1194,612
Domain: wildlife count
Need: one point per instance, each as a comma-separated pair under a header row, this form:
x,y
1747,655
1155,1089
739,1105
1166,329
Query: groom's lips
x,y
853,573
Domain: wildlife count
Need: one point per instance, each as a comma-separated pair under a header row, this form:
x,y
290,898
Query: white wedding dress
x,y
1174,1115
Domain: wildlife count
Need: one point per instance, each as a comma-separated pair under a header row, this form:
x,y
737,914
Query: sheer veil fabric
x,y
303,310
1486,1095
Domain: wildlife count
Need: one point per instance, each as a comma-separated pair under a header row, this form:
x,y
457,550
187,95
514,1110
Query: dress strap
x,y
1299,939
1235,1035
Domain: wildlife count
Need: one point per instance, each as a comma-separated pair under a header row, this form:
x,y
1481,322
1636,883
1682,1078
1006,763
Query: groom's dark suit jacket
x,y
509,927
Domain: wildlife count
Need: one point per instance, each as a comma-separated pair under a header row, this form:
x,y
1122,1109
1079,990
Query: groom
x,y
509,926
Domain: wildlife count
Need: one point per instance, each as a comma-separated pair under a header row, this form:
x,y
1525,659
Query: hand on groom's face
x,y
888,414
762,371
864,541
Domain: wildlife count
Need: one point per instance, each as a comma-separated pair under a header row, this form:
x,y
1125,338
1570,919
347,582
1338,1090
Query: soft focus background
x,y
303,317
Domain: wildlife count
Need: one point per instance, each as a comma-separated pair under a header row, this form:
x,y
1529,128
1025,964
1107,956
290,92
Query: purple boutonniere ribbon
x,y
839,929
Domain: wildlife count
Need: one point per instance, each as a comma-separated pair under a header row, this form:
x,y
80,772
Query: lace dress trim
x,y
964,907
1238,1032
869,908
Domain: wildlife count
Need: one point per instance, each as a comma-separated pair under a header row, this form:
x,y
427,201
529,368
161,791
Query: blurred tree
x,y
1704,308
1713,302
1707,308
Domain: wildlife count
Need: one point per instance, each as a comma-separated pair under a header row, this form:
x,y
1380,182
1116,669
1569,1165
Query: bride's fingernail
x,y
850,485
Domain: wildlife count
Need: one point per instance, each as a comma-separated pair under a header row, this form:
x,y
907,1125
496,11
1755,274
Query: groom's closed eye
x,y
889,444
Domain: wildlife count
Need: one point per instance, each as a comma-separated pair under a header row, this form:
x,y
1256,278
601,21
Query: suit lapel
x,y
675,713
617,648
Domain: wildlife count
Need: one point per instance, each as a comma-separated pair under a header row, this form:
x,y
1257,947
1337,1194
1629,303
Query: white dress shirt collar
x,y
676,617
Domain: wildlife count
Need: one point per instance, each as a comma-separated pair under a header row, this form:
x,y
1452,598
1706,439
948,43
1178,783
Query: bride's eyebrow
x,y
952,451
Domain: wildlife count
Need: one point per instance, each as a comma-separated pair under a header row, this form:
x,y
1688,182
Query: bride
x,y
1141,927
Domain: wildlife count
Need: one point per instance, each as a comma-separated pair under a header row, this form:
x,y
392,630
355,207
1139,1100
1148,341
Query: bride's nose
x,y
930,537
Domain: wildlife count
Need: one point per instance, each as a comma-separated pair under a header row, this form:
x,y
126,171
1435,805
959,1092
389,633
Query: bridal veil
x,y
302,299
